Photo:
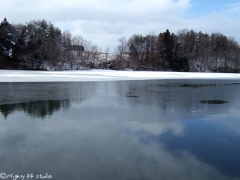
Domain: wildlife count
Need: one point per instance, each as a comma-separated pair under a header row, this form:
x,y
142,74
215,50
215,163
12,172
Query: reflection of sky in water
x,y
164,133
210,141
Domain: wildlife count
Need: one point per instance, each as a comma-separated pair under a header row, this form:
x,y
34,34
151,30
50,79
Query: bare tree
x,y
121,52
106,53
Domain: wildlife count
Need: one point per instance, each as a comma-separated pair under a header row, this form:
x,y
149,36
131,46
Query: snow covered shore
x,y
104,75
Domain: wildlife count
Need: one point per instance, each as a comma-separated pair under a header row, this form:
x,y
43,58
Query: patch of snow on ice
x,y
104,75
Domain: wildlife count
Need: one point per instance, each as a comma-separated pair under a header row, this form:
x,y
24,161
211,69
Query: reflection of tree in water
x,y
36,109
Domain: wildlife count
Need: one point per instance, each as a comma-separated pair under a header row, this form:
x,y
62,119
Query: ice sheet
x,y
104,75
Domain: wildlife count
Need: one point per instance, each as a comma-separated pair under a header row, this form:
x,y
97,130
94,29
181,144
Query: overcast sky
x,y
105,21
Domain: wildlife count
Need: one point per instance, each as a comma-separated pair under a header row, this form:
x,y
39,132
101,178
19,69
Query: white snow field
x,y
104,75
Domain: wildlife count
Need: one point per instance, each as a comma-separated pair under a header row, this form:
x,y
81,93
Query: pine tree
x,y
7,44
165,47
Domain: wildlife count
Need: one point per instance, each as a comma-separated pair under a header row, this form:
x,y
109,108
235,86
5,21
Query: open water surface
x,y
124,130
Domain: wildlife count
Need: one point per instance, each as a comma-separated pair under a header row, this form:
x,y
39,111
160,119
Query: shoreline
x,y
106,75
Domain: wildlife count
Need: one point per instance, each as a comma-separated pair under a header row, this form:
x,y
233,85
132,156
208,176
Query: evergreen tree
x,y
165,48
7,45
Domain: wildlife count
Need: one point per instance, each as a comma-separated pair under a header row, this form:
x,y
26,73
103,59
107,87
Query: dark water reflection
x,y
35,109
121,130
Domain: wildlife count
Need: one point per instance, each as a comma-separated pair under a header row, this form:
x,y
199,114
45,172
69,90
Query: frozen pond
x,y
125,130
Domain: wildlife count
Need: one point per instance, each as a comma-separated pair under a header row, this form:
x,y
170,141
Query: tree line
x,y
39,45
185,51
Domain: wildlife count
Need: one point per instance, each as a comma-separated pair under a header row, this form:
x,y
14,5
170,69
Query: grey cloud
x,y
135,11
94,19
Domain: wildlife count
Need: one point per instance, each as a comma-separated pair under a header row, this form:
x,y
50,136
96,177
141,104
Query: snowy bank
x,y
104,75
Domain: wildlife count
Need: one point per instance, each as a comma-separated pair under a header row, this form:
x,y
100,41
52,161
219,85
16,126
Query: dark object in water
x,y
213,102
132,96
197,85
